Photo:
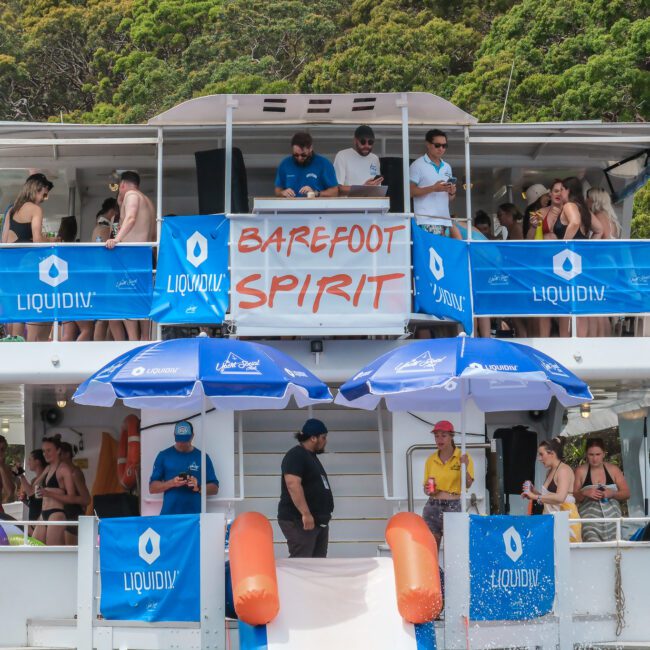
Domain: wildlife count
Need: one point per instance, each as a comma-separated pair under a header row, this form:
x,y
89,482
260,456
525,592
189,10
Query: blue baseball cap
x,y
183,431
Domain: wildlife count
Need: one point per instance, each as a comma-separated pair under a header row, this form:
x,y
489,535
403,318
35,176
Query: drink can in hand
x,y
431,485
527,486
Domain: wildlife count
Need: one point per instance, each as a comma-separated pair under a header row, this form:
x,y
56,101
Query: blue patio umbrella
x,y
443,374
188,373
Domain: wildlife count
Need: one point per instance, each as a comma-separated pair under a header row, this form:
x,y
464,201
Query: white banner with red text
x,y
322,273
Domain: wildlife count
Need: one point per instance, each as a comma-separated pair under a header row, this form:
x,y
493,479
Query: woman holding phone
x,y
599,489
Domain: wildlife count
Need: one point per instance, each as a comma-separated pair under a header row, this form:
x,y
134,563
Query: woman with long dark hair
x,y
599,489
575,222
557,491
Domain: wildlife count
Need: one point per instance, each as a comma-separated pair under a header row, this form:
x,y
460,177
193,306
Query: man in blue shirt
x,y
304,173
176,474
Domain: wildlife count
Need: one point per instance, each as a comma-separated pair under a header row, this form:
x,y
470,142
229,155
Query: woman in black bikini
x,y
599,489
55,481
24,225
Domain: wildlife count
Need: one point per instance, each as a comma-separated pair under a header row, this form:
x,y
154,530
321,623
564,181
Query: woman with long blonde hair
x,y
600,204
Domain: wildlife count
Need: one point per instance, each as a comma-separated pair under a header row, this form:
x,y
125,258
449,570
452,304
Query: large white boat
x,y
50,595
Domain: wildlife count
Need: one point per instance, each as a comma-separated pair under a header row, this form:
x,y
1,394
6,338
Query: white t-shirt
x,y
423,173
354,169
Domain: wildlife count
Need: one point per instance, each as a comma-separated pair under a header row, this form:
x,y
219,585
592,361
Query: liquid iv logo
x,y
567,264
436,265
53,271
149,546
197,249
512,543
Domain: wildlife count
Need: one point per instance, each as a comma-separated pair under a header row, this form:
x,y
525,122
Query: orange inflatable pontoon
x,y
252,569
415,562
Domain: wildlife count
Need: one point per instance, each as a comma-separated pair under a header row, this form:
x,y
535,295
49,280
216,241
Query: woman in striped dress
x,y
599,489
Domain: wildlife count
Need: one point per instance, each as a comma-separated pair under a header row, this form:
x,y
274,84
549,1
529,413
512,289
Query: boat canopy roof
x,y
364,108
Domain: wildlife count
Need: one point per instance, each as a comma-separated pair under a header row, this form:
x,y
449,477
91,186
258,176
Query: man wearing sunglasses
x,y
433,186
304,173
358,165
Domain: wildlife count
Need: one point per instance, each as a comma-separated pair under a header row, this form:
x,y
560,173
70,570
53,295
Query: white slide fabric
x,y
338,603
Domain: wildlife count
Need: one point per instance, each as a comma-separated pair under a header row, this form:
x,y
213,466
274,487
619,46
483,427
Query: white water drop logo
x,y
149,546
512,543
53,271
197,249
436,265
567,264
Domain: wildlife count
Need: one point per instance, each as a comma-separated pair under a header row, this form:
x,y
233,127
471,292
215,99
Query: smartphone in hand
x,y
452,180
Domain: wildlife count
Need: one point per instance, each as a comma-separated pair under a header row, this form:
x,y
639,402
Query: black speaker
x,y
519,446
210,178
116,505
391,170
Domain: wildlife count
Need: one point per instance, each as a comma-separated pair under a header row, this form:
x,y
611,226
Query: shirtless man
x,y
137,224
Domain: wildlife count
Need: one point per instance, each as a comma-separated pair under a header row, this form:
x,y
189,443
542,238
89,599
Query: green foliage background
x,y
105,61
126,60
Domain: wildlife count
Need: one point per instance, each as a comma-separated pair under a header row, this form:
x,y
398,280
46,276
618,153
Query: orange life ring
x,y
128,458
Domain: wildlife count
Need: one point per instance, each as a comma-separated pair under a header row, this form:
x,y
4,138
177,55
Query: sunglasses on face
x,y
365,141
439,145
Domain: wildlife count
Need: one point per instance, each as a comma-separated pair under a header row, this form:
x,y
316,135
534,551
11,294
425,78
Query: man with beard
x,y
305,173
358,165
306,501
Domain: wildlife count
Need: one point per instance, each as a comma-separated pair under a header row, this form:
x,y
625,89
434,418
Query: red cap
x,y
443,425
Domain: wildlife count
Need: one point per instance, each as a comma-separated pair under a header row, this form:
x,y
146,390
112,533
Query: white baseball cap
x,y
534,192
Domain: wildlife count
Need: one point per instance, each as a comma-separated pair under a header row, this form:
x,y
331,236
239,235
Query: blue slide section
x,y
425,636
252,637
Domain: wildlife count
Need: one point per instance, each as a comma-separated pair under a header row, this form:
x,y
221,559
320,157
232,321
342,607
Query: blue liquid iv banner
x,y
441,277
192,277
63,283
557,278
150,568
511,567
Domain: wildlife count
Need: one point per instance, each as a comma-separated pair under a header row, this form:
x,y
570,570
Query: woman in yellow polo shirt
x,y
443,467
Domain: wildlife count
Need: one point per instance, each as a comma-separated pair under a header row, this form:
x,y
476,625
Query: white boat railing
x,y
26,523
615,543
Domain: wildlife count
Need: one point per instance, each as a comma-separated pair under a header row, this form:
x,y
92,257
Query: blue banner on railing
x,y
192,278
441,277
550,278
511,567
63,283
150,568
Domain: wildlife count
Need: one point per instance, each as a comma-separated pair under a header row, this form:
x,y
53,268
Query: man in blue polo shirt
x,y
305,173
177,474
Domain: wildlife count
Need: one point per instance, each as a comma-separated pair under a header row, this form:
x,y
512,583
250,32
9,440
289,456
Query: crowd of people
x,y
56,491
128,217
567,209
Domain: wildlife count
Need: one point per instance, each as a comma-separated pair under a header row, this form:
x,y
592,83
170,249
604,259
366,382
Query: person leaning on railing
x,y
599,489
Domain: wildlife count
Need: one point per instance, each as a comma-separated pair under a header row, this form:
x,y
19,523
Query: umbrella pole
x,y
463,468
204,456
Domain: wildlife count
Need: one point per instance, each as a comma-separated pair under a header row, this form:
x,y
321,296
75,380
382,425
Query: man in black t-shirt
x,y
306,502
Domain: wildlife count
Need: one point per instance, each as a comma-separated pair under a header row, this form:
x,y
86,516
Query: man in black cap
x,y
358,165
306,502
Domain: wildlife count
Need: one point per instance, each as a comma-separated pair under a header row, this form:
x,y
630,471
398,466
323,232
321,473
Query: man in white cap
x,y
177,473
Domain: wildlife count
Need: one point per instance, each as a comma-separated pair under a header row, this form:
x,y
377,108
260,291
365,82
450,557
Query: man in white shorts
x,y
433,186
358,165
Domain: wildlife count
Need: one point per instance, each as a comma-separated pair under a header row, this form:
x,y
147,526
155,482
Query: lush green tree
x,y
641,214
573,59
393,47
